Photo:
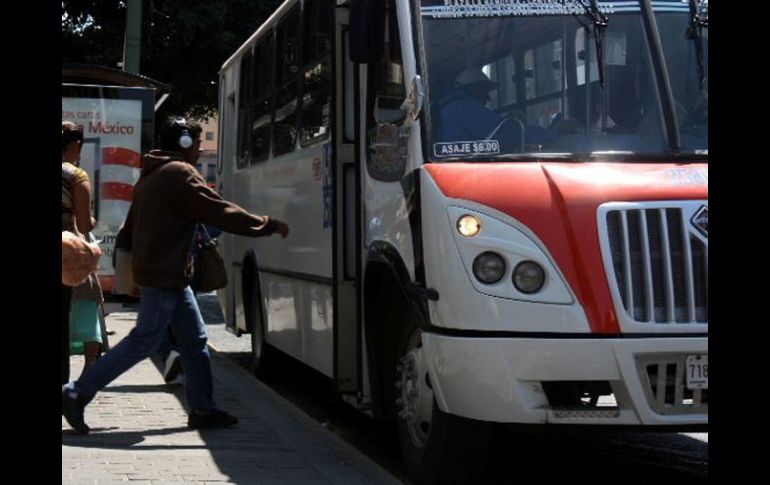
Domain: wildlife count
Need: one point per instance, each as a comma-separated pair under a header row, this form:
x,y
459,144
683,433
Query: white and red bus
x,y
554,272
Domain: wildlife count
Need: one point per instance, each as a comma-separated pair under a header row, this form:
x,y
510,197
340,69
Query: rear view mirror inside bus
x,y
387,110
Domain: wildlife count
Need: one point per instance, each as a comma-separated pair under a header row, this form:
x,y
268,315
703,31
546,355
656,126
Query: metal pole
x,y
133,40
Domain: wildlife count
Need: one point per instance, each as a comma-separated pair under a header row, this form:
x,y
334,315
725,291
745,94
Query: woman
x,y
76,215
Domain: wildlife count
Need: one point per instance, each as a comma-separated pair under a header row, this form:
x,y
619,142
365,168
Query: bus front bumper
x,y
505,379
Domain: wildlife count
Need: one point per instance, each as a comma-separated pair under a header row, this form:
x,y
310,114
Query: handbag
x,y
90,289
209,267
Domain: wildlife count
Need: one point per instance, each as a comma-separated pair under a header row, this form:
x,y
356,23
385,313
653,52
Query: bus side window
x,y
316,59
287,83
263,94
244,112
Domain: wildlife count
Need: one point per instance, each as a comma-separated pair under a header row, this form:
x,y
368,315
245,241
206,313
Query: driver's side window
x,y
386,92
386,85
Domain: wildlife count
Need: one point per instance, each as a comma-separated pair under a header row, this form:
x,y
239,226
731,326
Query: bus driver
x,y
464,115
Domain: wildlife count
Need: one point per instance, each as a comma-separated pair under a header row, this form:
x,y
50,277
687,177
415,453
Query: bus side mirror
x,y
415,98
388,161
366,30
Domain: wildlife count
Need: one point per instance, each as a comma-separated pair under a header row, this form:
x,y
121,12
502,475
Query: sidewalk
x,y
139,433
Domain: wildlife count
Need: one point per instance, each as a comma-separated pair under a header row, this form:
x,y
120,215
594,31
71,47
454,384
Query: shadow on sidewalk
x,y
123,440
138,388
271,443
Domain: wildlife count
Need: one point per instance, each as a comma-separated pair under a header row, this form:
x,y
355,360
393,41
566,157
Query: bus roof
x,y
266,25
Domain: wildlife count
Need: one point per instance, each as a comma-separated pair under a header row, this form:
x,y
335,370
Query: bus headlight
x,y
528,277
489,267
468,225
500,245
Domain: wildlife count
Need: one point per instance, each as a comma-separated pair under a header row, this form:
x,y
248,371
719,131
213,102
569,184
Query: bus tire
x,y
260,350
437,447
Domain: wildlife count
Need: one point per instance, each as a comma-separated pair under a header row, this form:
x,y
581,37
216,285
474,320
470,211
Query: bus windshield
x,y
529,79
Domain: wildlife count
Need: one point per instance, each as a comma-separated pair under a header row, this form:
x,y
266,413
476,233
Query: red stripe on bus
x,y
117,191
121,156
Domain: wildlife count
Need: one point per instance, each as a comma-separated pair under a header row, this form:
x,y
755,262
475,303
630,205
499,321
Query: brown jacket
x,y
169,199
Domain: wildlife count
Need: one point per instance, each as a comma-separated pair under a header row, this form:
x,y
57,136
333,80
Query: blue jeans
x,y
158,309
168,343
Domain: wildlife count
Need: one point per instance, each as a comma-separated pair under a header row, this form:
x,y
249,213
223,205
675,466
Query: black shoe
x,y
72,410
172,367
217,419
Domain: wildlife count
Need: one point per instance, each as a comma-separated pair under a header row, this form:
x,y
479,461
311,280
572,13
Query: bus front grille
x,y
659,265
663,381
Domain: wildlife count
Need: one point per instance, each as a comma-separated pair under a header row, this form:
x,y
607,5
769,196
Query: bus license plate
x,y
697,371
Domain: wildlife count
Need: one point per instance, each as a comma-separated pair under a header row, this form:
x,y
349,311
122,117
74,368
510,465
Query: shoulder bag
x,y
209,265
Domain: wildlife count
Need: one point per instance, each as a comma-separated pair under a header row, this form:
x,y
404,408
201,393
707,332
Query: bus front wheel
x,y
437,447
260,350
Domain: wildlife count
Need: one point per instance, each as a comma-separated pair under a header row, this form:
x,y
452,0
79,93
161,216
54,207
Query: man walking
x,y
170,198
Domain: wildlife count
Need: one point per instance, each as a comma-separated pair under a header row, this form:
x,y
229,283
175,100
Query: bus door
x,y
225,162
368,102
346,195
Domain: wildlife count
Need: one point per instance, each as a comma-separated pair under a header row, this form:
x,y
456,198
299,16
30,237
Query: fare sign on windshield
x,y
466,148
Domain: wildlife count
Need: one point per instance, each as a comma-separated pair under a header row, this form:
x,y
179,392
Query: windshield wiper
x,y
662,78
695,34
599,22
